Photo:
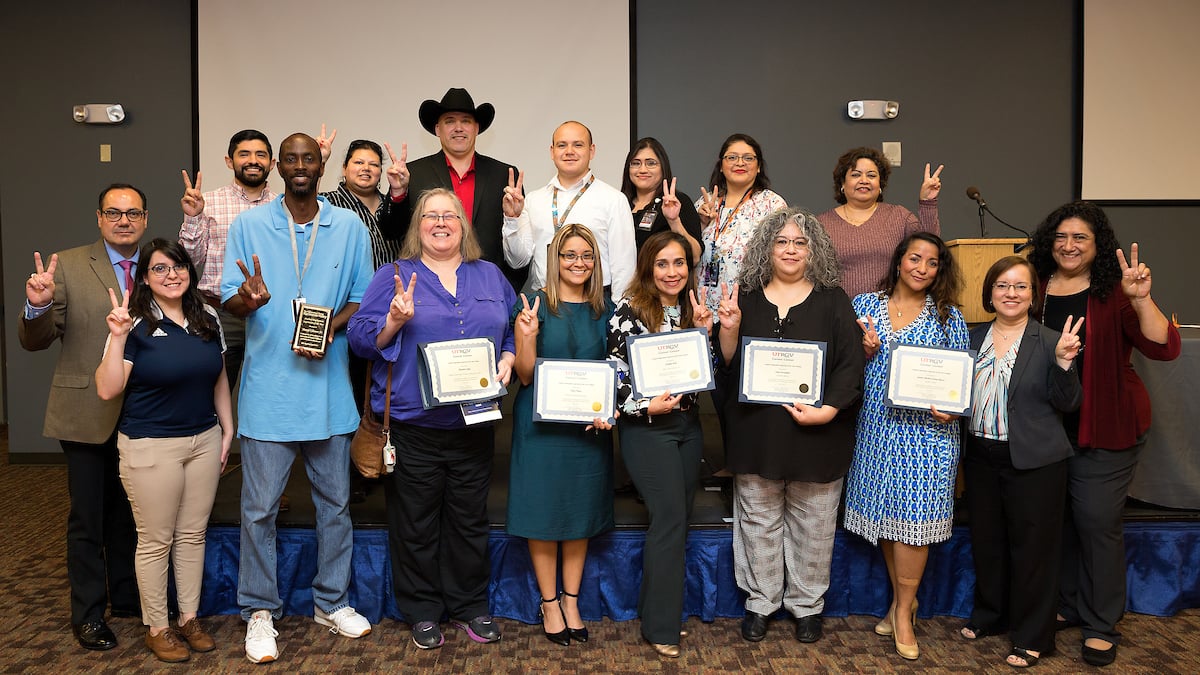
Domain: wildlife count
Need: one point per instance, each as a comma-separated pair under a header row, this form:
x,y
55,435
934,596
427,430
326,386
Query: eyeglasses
x,y
746,159
1003,287
639,163
160,270
134,215
784,242
571,256
448,218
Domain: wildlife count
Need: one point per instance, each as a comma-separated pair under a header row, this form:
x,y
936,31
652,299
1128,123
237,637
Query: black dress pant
x,y
1016,538
437,521
101,536
1093,591
663,458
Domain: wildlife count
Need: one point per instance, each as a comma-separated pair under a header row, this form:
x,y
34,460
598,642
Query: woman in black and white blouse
x,y
660,437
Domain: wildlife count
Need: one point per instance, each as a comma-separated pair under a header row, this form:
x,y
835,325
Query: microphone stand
x,y
982,229
983,207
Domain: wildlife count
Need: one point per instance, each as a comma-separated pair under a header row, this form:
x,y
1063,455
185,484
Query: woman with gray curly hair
x,y
789,460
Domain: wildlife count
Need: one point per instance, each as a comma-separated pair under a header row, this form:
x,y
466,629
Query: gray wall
x,y
55,55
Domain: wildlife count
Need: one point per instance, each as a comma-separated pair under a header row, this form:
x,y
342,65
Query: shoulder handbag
x,y
372,444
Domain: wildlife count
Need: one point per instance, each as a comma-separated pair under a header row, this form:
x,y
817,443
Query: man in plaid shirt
x,y
206,225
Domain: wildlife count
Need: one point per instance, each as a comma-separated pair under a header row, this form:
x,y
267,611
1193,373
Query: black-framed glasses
x,y
571,256
448,218
114,215
639,163
745,159
161,270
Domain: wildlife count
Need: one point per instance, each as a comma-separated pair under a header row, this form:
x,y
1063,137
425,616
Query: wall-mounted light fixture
x,y
873,110
99,113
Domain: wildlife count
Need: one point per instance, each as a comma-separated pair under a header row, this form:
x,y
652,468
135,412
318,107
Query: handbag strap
x,y
387,397
387,393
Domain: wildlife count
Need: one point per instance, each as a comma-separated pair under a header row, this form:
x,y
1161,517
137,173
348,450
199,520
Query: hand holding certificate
x,y
924,377
577,392
679,361
782,371
459,371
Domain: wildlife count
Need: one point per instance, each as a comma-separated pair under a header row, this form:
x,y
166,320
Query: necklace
x,y
1007,336
846,214
899,311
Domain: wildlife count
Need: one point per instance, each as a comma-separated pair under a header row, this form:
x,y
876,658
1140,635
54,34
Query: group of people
x,y
155,336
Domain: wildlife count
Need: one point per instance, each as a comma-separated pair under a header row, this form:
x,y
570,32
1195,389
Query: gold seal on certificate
x,y
920,377
782,371
679,361
458,371
573,391
312,327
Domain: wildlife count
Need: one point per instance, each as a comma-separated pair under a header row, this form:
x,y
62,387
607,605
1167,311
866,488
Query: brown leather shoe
x,y
167,647
197,638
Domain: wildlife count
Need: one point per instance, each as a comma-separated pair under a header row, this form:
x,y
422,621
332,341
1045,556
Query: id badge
x,y
297,303
647,220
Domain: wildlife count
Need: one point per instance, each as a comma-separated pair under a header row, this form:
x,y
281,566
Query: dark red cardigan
x,y
1116,406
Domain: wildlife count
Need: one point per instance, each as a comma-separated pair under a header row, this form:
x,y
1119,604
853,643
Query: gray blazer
x,y
74,411
1038,393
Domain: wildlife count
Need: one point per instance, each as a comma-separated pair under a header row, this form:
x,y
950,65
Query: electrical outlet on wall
x,y
891,150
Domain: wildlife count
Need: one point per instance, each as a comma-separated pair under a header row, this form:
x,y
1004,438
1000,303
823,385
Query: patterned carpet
x,y
34,591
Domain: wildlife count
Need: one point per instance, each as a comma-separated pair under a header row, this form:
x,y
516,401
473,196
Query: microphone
x,y
973,193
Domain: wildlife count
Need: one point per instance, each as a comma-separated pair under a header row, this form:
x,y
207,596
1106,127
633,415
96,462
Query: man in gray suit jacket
x,y
489,189
68,300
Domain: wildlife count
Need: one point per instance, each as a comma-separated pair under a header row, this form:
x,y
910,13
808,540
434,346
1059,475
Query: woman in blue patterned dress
x,y
900,490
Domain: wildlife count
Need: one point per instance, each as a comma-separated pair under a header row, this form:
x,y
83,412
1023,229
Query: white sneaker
x,y
345,622
260,638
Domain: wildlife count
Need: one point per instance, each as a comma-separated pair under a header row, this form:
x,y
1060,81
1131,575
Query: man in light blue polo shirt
x,y
305,251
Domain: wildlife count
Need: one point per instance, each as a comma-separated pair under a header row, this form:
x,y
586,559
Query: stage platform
x,y
1163,551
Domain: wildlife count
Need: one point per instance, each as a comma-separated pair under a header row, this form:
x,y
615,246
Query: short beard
x,y
240,174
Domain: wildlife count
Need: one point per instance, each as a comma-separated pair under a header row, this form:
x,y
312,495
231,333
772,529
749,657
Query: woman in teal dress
x,y
560,488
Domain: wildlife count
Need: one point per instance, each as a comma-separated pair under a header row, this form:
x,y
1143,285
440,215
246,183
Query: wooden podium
x,y
974,258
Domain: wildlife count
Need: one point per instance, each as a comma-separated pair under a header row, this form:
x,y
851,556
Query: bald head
x,y
573,124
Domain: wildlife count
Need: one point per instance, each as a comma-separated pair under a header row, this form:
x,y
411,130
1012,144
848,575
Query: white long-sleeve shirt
x,y
602,209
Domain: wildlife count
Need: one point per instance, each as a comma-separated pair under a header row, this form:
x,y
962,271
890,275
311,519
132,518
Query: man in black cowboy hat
x,y
490,190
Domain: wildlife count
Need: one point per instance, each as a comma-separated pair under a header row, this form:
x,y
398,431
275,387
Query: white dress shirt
x,y
602,209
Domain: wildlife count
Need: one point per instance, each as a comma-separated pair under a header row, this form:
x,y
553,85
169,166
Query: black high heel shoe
x,y
562,637
577,634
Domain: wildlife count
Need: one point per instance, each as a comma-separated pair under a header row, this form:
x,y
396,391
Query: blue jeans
x,y
265,469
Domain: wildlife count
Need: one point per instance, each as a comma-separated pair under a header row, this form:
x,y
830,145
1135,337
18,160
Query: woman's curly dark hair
x,y
1105,271
946,284
849,159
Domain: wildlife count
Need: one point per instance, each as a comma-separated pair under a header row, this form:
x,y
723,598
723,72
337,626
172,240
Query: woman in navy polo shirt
x,y
165,353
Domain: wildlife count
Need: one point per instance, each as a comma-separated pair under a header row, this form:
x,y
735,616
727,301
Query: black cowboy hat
x,y
455,100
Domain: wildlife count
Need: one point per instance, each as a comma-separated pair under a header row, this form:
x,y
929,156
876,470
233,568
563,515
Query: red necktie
x,y
127,265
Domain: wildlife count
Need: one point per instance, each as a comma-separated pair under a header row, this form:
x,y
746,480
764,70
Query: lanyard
x,y
296,254
554,204
722,224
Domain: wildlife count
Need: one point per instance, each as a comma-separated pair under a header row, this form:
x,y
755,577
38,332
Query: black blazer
x,y
1038,393
491,177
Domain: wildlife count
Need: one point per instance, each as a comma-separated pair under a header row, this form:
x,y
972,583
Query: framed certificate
x,y
312,327
574,391
458,371
782,371
679,362
919,377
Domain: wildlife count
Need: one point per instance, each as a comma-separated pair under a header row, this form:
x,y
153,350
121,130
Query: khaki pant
x,y
171,483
